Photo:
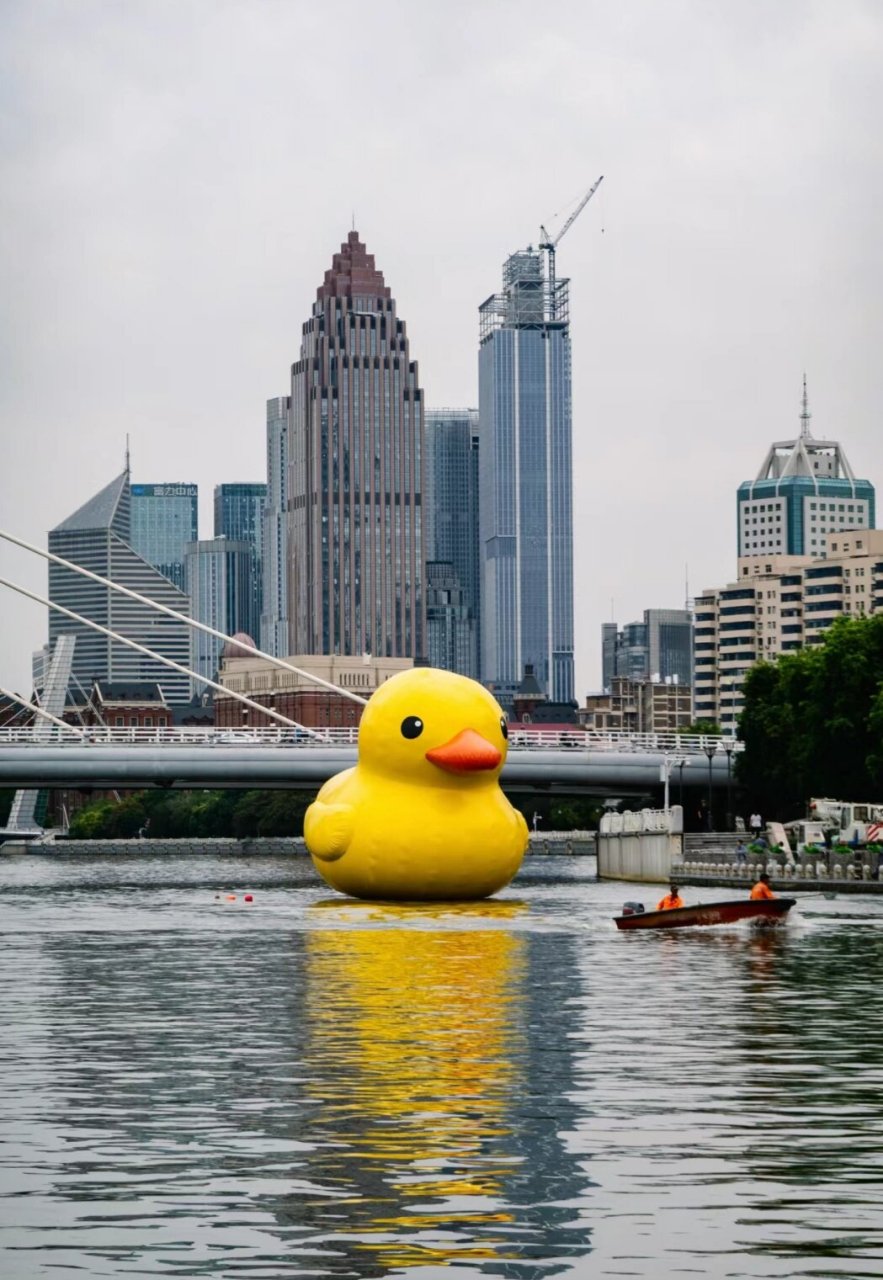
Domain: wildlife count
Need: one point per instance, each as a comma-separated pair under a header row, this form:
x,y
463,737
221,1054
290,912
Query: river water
x,y
309,1086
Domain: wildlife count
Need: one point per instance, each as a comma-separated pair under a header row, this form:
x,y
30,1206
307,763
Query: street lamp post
x,y
710,748
669,763
729,747
664,775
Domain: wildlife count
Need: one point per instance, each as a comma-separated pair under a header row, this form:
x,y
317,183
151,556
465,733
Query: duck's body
x,y
421,816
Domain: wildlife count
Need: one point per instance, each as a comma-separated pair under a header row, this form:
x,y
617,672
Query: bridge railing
x,y
676,747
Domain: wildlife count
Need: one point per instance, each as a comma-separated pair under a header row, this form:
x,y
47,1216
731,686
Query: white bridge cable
x,y
38,710
158,657
182,617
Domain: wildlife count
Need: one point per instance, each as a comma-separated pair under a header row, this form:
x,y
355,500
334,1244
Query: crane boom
x,y
547,243
577,211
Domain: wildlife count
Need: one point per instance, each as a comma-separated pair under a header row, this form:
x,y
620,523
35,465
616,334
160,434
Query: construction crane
x,y
550,244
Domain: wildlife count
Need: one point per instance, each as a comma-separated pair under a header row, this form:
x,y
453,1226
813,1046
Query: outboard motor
x,y
633,908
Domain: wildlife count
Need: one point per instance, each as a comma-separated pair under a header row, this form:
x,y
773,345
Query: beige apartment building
x,y
779,603
638,706
298,697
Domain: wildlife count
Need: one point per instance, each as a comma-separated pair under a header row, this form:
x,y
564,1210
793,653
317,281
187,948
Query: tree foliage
x,y
198,814
708,728
175,815
813,722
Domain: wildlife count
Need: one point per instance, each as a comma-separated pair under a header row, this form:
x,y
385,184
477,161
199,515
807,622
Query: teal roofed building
x,y
805,491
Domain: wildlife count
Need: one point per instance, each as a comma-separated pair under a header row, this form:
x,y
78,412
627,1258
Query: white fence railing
x,y
675,747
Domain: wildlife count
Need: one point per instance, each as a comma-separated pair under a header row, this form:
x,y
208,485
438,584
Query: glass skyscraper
x,y
164,520
220,589
97,537
274,543
356,477
526,520
659,648
451,538
239,517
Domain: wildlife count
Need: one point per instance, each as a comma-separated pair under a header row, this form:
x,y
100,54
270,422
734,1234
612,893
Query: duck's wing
x,y
328,829
521,823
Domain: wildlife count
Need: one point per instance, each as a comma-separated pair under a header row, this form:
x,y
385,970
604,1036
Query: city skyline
x,y
731,247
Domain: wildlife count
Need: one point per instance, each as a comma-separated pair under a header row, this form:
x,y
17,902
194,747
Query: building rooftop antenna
x,y
805,414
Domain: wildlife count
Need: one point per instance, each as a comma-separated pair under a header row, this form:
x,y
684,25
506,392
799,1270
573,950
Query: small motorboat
x,y
764,910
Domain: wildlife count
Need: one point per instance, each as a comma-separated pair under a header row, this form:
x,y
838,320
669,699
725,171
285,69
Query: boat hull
x,y
767,910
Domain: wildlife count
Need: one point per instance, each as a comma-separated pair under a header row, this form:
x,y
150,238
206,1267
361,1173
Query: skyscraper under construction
x,y
355,514
526,520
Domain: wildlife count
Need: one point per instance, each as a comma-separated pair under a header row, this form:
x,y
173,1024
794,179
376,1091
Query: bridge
x,y
56,755
569,762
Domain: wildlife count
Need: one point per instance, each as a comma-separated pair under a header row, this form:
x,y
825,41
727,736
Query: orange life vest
x,y
761,891
670,901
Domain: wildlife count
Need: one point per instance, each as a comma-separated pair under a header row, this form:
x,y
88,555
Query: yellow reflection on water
x,y
415,1052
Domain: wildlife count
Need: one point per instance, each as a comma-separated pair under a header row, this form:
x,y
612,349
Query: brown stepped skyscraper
x,y
356,479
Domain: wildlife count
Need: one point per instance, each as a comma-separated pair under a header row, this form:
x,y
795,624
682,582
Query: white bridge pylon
x,y
41,711
180,617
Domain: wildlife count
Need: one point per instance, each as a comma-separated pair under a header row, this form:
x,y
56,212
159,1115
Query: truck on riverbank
x,y
848,821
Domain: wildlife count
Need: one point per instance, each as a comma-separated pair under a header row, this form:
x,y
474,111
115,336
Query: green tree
x,y
575,814
174,815
708,727
91,821
813,722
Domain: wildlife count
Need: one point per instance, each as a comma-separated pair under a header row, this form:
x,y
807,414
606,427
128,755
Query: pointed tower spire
x,y
805,414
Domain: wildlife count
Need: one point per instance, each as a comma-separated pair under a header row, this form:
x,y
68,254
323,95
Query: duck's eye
x,y
412,727
504,728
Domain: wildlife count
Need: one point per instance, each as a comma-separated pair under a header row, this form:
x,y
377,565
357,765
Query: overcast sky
x,y
176,175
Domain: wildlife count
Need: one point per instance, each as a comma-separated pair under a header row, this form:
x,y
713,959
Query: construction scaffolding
x,y
529,299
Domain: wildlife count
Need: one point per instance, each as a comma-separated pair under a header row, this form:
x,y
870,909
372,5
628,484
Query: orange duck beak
x,y
467,753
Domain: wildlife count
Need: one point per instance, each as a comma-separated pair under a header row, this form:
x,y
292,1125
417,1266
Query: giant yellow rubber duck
x,y
421,817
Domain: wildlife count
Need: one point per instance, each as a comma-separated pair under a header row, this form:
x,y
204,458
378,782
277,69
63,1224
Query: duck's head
x,y
433,727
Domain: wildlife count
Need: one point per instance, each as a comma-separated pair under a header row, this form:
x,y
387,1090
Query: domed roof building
x,y
240,646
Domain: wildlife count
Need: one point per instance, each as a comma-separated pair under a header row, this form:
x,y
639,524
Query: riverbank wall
x,y
549,844
857,871
783,887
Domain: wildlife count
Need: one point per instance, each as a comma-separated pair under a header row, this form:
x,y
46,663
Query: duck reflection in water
x,y
418,1056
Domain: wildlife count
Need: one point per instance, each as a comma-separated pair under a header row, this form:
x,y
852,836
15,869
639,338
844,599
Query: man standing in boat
x,y
762,890
671,900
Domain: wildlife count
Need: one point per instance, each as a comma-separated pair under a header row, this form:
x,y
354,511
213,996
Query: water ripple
x,y
305,1086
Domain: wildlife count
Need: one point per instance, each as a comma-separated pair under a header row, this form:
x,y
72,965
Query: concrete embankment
x,y
553,844
715,860
646,848
782,886
252,846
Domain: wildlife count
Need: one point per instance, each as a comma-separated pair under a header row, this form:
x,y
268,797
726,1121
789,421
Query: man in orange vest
x,y
672,899
762,889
